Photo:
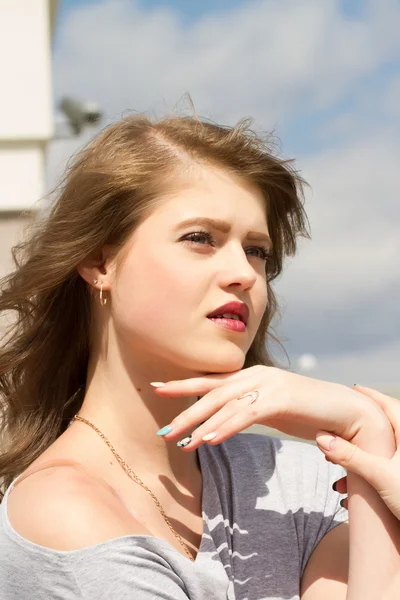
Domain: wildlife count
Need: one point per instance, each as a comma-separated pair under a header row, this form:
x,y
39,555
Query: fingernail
x,y
185,441
334,486
342,503
157,384
209,436
164,430
326,441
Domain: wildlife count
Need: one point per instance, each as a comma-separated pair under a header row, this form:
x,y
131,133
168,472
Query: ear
x,y
99,267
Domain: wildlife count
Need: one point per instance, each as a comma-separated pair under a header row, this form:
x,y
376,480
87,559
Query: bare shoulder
x,y
65,509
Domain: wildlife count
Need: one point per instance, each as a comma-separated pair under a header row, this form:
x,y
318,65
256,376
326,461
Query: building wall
x,y
22,165
25,45
26,116
26,103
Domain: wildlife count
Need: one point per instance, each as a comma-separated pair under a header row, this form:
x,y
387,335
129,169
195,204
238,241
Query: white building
x,y
26,113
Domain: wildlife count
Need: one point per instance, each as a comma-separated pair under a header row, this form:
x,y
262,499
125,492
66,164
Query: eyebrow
x,y
224,227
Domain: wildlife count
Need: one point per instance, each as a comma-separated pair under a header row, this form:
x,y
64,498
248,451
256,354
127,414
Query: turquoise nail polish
x,y
165,430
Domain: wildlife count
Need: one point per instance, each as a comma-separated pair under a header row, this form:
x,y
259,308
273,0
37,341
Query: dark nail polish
x,y
342,503
185,441
334,486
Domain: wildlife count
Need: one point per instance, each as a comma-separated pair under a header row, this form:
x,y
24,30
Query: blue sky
x,y
189,10
194,9
300,130
326,77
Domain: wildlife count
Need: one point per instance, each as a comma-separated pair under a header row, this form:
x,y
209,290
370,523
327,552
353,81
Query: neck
x,y
122,404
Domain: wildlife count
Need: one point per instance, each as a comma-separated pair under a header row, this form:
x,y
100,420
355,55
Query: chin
x,y
224,363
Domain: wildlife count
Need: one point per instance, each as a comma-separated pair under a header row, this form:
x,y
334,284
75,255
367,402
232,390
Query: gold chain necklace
x,y
133,476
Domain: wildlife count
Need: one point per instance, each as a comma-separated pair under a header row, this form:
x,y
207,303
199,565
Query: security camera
x,y
80,113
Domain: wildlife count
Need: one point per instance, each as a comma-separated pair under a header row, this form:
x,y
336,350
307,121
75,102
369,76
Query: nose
x,y
235,269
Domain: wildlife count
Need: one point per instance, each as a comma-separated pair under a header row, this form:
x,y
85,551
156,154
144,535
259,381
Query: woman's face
x,y
174,274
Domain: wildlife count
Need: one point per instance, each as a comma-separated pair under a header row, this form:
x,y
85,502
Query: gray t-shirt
x,y
266,502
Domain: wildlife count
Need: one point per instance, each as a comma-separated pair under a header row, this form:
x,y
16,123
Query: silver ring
x,y
253,395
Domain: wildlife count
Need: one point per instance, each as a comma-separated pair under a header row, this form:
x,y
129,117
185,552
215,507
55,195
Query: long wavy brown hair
x,y
108,187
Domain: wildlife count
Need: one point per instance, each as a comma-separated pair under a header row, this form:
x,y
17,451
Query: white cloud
x,y
376,368
392,98
275,59
354,214
264,58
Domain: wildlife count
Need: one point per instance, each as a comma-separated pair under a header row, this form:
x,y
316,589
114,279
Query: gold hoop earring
x,y
103,301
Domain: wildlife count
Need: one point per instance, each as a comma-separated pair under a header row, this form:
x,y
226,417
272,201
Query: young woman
x,y
143,305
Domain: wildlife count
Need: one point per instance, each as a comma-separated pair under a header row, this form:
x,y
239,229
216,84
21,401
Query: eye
x,y
203,238
197,237
263,252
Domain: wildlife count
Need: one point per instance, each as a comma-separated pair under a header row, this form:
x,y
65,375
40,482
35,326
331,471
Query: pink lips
x,y
232,324
236,308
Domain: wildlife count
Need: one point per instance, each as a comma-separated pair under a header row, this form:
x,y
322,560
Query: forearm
x,y
374,531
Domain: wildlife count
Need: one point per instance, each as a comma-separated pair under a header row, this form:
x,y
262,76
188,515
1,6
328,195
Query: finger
x,y
230,420
341,485
389,405
237,423
211,410
214,425
345,503
198,386
372,468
